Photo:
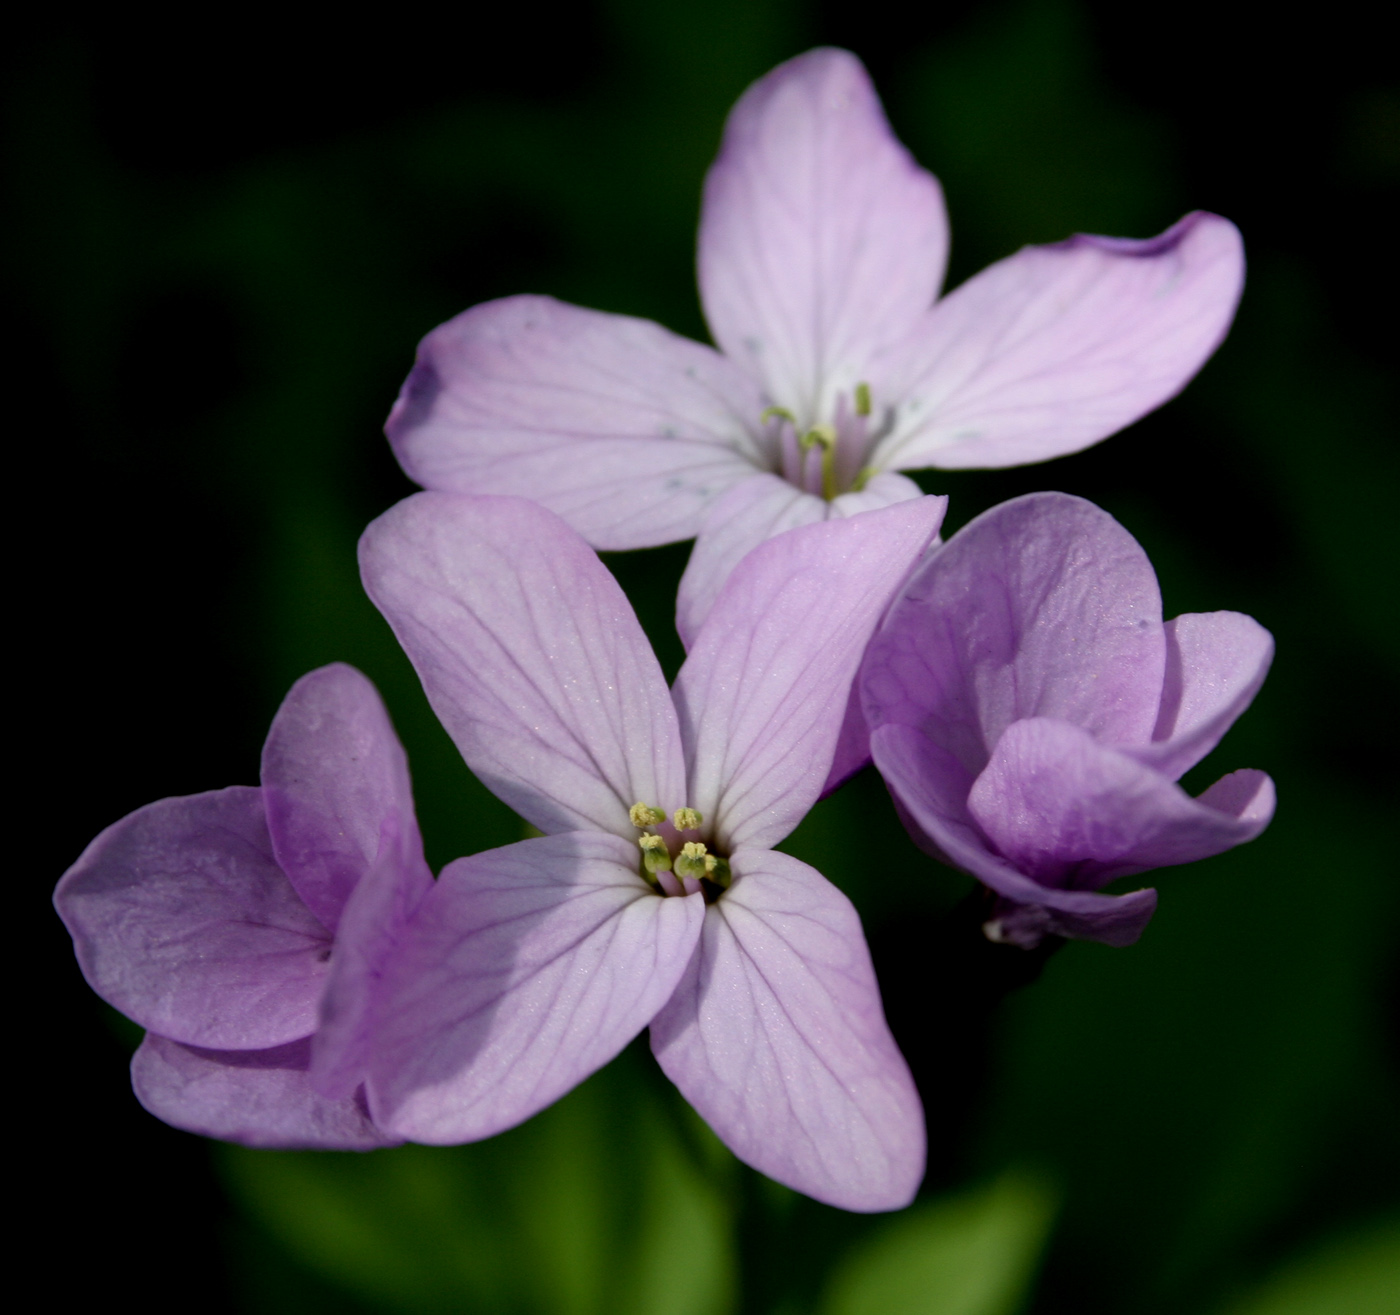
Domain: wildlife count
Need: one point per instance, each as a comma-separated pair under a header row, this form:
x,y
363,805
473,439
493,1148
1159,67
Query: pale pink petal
x,y
1068,811
1057,347
531,656
526,969
332,771
256,1097
1216,663
749,514
1043,606
182,919
821,241
622,428
370,930
777,1037
922,778
763,694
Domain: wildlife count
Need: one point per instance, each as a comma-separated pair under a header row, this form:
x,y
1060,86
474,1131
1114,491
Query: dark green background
x,y
226,235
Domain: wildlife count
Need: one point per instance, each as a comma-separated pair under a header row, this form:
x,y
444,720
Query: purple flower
x,y
244,928
655,896
1031,713
821,254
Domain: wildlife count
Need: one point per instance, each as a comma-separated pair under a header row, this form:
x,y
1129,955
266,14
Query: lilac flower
x,y
821,254
244,927
655,896
1030,713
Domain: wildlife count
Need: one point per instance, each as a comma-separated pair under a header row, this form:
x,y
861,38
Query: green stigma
x,y
824,437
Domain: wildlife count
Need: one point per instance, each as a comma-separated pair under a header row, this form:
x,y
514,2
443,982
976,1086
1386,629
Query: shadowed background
x,y
225,236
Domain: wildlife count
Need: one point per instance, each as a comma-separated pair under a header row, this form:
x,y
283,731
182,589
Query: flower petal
x,y
373,923
1216,663
182,919
922,779
621,427
1068,811
526,969
777,1038
332,771
1059,346
763,694
1043,606
256,1097
821,241
531,657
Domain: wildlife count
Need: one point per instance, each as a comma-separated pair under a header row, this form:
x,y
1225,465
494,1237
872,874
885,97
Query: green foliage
x,y
609,1203
971,1255
1359,1275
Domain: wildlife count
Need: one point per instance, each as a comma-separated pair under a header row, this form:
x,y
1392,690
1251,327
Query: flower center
x,y
827,459
675,861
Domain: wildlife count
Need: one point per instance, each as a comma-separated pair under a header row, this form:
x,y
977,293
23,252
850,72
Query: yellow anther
x,y
644,815
862,399
655,856
777,413
686,819
694,860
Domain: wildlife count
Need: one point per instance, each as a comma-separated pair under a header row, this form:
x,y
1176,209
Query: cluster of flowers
x,y
303,978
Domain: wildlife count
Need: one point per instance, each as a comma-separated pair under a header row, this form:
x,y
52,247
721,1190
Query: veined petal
x,y
1043,606
332,771
821,241
917,773
526,969
531,656
1216,663
1068,811
373,922
762,696
749,514
256,1097
621,427
182,919
777,1037
1059,346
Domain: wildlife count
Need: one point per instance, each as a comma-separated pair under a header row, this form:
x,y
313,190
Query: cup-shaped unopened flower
x,y
822,249
1031,713
244,928
655,896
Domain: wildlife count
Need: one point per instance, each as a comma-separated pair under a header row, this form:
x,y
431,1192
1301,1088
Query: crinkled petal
x,y
1043,606
763,694
621,427
182,919
526,969
1068,811
257,1097
821,241
374,920
749,514
918,774
1059,346
531,656
1216,663
777,1037
332,771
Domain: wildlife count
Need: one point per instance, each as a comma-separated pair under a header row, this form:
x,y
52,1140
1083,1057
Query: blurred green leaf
x,y
605,1204
1359,1275
972,1255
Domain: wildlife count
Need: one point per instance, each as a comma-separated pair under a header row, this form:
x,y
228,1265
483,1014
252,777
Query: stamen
x,y
655,856
644,815
777,413
862,478
862,399
694,860
824,437
686,819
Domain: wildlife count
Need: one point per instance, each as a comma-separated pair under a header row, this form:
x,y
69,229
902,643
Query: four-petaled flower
x,y
655,896
244,928
822,249
1031,713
